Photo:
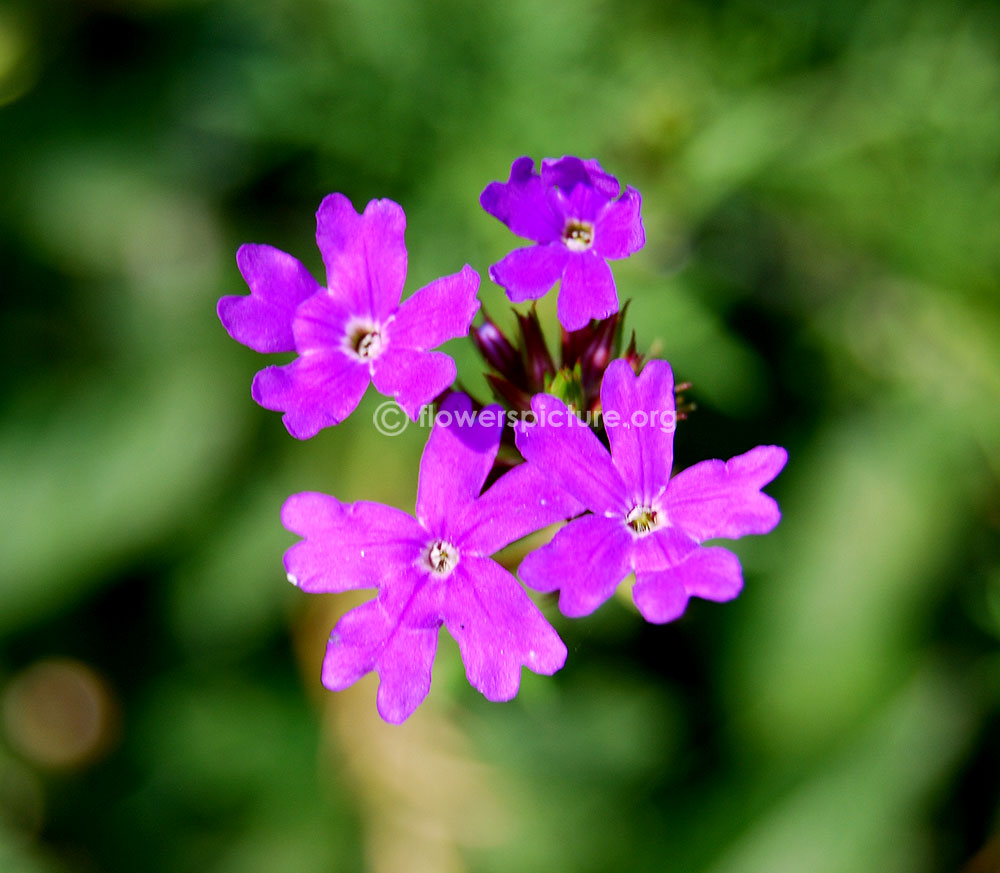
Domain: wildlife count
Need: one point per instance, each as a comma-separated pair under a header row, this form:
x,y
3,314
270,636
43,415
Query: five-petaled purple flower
x,y
433,570
354,331
642,520
573,212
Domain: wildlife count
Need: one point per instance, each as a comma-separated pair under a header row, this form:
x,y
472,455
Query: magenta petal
x,y
347,545
662,548
520,502
498,628
587,291
712,573
639,418
278,284
567,172
520,203
528,273
619,231
412,378
381,635
456,460
567,450
437,312
320,324
586,561
660,595
365,255
581,203
723,499
314,391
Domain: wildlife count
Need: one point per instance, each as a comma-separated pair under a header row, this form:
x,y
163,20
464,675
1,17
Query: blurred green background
x,y
822,203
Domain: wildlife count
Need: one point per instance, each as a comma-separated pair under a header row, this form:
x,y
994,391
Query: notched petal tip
x,y
522,167
768,460
278,284
711,573
386,211
550,663
311,510
758,467
520,203
471,277
224,310
492,196
569,171
395,704
336,208
655,370
573,605
390,711
303,430
335,203
723,500
521,170
660,603
492,273
364,255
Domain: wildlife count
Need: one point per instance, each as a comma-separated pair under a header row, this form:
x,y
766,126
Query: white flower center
x,y
442,557
364,340
578,236
644,519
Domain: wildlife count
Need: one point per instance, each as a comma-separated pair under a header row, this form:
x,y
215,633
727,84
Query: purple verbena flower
x,y
573,212
433,570
642,521
354,331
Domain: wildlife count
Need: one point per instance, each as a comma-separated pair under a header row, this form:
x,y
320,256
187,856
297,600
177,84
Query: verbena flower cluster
x,y
579,440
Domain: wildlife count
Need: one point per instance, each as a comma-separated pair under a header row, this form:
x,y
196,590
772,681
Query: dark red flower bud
x,y
537,360
632,356
506,392
497,350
